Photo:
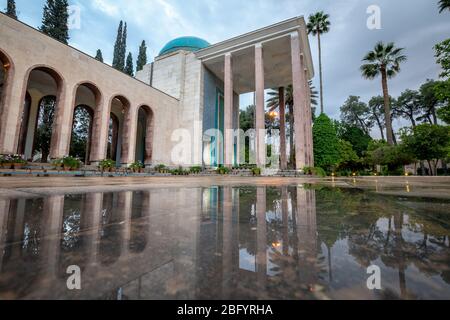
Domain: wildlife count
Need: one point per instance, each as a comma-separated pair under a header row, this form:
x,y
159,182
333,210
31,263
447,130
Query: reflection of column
x,y
227,256
53,215
4,214
306,220
261,237
62,132
125,203
228,111
298,79
260,106
93,210
285,214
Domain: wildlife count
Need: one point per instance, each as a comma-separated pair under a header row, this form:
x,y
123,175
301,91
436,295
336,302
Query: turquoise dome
x,y
184,43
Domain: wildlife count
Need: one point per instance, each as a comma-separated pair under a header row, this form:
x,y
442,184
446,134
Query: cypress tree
x,y
117,48
129,65
142,57
55,19
99,55
123,47
11,9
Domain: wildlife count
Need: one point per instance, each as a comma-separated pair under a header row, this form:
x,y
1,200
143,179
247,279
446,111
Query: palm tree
x,y
384,60
443,5
318,24
273,103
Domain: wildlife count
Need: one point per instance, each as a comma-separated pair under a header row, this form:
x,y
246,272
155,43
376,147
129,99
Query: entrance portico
x,y
272,57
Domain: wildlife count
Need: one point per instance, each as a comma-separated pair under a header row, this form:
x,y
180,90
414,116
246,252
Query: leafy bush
x,y
136,166
195,170
256,171
326,143
315,171
161,169
179,172
71,162
107,164
223,170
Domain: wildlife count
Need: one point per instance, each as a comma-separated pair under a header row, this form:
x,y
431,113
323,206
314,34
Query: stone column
x,y
13,98
63,121
100,131
282,104
228,112
129,137
261,237
260,104
309,133
298,83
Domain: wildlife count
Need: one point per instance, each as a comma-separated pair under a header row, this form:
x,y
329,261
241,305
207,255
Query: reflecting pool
x,y
287,242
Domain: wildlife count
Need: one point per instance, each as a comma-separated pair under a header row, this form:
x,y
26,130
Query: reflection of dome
x,y
184,43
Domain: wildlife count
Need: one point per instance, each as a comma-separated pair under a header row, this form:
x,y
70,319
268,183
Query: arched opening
x,y
81,142
120,121
87,101
40,106
144,135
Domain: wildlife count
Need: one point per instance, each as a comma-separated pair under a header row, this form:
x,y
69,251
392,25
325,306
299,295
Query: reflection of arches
x,y
111,235
120,107
144,135
46,85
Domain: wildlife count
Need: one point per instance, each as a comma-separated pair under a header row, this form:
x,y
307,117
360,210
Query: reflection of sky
x,y
247,261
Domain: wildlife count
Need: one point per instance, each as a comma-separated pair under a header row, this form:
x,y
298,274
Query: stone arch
x,y
6,73
144,135
120,107
46,83
87,108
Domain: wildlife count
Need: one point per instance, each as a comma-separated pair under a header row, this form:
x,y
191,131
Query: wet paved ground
x,y
224,237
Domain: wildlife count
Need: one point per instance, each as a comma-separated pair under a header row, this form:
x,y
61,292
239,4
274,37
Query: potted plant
x,y
223,170
17,161
137,167
107,165
4,162
256,171
161,169
71,163
58,163
195,170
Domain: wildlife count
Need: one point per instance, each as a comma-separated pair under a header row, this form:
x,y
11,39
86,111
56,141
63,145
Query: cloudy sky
x,y
415,25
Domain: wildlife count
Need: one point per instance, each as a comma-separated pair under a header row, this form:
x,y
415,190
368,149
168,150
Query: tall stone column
x,y
282,104
13,98
129,137
100,131
298,83
228,112
63,121
259,111
308,127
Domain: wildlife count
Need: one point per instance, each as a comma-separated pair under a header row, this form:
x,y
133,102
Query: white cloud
x,y
107,7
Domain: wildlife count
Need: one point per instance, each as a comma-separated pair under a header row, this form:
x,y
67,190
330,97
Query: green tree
x,y
356,113
129,68
81,131
430,101
444,5
142,57
123,47
443,57
409,106
11,9
119,62
99,55
326,143
247,118
376,109
319,24
428,142
348,158
442,92
358,139
384,60
44,126
55,20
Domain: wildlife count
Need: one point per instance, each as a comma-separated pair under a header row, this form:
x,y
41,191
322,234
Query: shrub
x,y
223,170
179,172
136,166
256,171
195,170
71,162
315,171
161,169
326,143
107,164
